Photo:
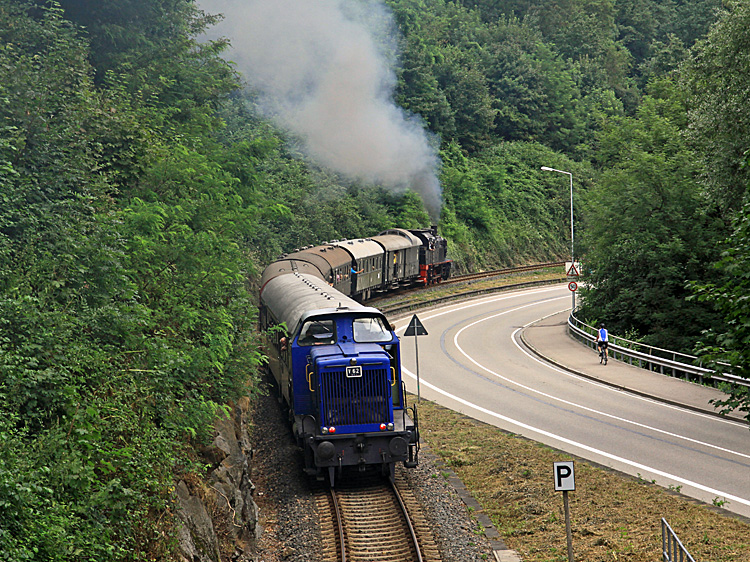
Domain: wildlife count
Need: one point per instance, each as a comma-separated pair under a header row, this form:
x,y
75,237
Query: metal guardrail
x,y
664,361
671,547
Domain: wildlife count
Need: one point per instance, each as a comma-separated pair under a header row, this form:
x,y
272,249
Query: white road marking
x,y
540,431
628,462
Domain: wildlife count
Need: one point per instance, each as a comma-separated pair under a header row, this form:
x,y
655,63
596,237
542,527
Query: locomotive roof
x,y
361,248
295,297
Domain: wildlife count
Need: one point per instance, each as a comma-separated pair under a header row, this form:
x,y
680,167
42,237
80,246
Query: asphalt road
x,y
493,360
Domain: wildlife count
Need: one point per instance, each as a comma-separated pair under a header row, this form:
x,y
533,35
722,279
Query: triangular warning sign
x,y
415,328
573,272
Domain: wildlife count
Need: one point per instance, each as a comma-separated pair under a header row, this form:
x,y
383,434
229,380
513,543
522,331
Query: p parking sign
x,y
564,476
565,481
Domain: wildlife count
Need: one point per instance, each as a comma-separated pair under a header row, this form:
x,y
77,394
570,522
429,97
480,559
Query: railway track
x,y
375,520
498,272
464,286
405,292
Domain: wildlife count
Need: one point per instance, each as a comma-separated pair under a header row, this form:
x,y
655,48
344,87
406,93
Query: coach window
x,y
371,330
317,332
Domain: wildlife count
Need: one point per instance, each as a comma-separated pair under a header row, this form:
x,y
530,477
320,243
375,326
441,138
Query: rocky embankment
x,y
219,516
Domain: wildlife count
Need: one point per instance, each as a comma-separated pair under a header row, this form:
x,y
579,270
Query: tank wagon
x,y
336,361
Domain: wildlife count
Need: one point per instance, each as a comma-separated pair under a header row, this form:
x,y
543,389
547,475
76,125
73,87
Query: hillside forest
x,y
147,177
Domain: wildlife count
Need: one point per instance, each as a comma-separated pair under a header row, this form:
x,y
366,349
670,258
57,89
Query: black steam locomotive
x,y
337,362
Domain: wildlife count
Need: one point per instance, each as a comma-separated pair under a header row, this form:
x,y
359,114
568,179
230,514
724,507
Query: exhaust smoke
x,y
323,70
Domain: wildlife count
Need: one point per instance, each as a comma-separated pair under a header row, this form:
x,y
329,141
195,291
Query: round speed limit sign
x,y
573,286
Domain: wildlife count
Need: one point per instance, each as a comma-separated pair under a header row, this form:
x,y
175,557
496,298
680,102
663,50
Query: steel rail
x,y
395,310
496,272
407,518
339,522
672,548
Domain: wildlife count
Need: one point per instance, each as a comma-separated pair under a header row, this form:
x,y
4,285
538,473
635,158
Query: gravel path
x,y
287,509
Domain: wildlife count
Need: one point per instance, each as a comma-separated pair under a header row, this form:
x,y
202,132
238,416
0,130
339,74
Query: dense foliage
x,y
727,347
140,192
718,77
649,230
126,314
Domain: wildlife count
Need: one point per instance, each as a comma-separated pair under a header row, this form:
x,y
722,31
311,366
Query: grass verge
x,y
613,516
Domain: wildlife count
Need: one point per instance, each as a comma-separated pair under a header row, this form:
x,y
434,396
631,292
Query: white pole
x,y
416,351
568,533
572,244
572,247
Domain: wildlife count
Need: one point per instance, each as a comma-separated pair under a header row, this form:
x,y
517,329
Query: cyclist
x,y
602,342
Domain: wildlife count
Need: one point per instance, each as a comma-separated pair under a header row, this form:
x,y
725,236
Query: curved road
x,y
474,361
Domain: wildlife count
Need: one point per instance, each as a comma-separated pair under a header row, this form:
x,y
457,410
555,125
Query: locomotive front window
x,y
371,330
317,332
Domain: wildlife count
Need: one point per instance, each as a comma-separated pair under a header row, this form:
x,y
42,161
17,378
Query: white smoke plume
x,y
323,70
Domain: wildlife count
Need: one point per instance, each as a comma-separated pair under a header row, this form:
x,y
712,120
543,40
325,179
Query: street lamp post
x,y
572,246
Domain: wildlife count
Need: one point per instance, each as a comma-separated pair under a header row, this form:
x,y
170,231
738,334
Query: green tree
x,y
719,128
442,77
648,230
692,19
727,347
153,42
719,78
125,313
501,209
534,90
463,81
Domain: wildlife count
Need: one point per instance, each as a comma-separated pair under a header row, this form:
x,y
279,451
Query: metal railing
x,y
664,361
671,547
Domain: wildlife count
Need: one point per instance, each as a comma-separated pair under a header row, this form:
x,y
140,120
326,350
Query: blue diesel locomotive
x,y
337,366
337,362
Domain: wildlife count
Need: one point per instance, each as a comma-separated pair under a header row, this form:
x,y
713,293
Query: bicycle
x,y
603,355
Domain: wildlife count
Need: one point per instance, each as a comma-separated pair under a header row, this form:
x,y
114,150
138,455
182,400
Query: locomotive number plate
x,y
354,372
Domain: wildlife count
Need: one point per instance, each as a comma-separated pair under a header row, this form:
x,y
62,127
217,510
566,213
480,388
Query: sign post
x,y
573,272
565,480
416,328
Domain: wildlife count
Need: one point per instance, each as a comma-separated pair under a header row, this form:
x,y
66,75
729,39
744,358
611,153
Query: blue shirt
x,y
603,336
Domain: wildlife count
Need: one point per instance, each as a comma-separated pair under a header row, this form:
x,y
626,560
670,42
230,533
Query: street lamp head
x,y
546,169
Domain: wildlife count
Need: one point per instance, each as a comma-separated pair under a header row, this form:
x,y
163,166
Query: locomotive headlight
x,y
324,431
390,427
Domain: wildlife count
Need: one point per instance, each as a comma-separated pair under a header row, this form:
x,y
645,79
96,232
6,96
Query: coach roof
x,y
293,298
393,242
362,248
